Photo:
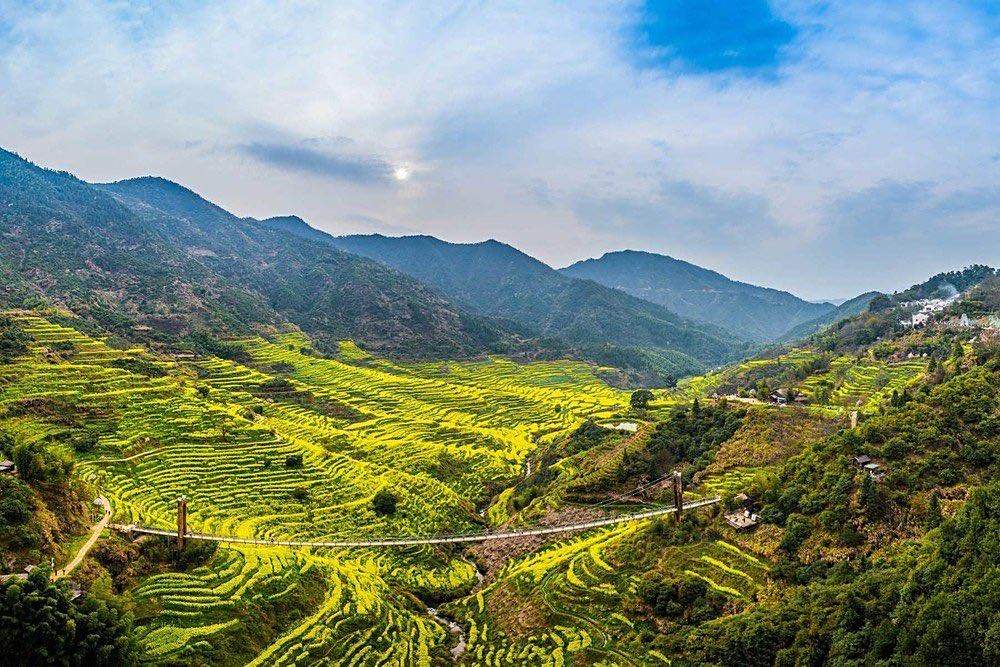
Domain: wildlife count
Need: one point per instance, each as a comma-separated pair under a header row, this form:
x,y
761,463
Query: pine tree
x,y
869,495
934,517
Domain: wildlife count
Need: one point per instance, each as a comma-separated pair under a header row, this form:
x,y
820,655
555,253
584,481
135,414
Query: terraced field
x,y
227,435
847,383
564,604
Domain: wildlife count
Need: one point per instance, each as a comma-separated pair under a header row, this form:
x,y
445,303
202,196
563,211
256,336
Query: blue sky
x,y
827,148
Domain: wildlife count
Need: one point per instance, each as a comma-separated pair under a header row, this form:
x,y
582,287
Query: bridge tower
x,y
678,495
182,511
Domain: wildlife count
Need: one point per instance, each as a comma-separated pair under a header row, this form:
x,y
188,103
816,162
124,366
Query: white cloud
x,y
526,122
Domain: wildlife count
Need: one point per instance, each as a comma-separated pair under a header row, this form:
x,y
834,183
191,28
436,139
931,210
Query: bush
x,y
37,465
384,503
293,461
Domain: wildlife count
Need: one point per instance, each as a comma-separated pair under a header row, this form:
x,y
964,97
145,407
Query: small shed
x,y
628,427
874,471
7,467
862,461
742,520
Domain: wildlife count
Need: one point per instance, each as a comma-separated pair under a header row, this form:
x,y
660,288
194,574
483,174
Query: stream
x,y
453,627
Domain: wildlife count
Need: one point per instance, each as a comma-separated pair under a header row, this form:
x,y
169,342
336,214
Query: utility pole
x,y
678,495
182,511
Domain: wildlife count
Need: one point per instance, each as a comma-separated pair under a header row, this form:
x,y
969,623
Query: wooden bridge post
x,y
182,510
678,495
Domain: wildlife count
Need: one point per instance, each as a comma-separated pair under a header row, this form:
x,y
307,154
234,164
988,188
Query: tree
x,y
37,465
293,461
384,503
641,398
934,516
869,495
40,625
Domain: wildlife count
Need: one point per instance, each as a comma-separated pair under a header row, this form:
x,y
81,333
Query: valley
x,y
479,468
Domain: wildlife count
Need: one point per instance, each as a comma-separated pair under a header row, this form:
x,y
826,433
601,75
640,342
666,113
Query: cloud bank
x,y
825,148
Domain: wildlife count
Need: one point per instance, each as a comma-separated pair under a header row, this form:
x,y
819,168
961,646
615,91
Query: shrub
x,y
293,461
384,503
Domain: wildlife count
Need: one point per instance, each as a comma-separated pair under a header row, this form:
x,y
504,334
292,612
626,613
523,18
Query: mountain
x,y
947,284
756,313
848,308
495,279
149,255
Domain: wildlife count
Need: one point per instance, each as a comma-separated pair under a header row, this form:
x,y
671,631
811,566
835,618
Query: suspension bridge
x,y
182,533
417,540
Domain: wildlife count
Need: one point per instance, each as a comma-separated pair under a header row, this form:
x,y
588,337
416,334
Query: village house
x,y
628,427
743,517
871,468
7,467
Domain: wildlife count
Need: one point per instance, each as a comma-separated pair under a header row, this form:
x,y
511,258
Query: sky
x,y
826,148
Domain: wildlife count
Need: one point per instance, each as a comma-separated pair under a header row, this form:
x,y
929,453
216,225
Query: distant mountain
x,y
150,255
754,313
494,279
845,310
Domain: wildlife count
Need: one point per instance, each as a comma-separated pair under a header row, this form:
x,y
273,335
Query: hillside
x,y
495,279
756,313
847,309
279,443
149,259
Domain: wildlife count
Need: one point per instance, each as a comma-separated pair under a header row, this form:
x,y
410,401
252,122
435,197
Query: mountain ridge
x,y
496,279
761,314
148,253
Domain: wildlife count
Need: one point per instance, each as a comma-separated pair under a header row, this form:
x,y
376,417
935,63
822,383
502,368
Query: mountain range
x,y
148,258
147,255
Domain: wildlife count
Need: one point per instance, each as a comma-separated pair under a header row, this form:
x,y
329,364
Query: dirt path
x,y
95,532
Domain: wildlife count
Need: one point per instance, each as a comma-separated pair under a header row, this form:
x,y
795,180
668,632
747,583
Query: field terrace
x,y
437,435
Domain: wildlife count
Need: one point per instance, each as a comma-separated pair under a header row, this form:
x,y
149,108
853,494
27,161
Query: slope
x,y
849,308
495,279
758,313
147,258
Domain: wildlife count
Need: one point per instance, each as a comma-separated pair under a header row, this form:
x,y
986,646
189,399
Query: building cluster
x,y
784,397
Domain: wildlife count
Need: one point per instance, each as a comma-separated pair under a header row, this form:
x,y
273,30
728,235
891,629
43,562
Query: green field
x,y
847,383
437,435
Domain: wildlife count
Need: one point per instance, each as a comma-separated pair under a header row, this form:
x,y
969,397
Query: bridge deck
x,y
412,541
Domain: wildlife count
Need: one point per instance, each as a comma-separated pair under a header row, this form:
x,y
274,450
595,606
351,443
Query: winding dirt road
x,y
95,533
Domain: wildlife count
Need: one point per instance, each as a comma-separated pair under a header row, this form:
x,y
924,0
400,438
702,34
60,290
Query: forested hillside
x,y
495,279
151,260
755,313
